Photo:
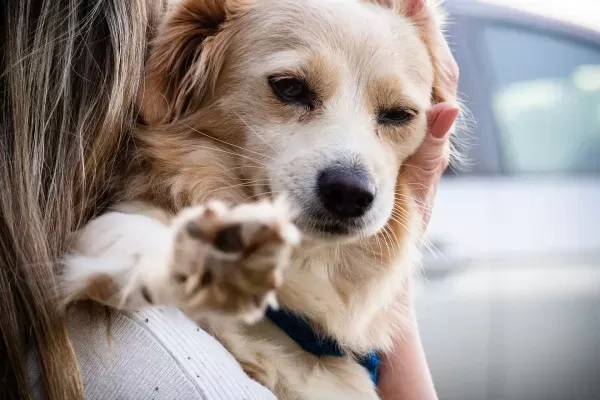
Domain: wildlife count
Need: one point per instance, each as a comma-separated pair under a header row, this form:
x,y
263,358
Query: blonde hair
x,y
69,77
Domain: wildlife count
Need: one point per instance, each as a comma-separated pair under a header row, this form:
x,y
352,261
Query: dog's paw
x,y
230,260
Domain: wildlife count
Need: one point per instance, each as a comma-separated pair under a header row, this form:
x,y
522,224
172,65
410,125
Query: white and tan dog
x,y
246,102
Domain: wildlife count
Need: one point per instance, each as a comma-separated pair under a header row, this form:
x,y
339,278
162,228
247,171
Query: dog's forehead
x,y
329,20
360,37
366,35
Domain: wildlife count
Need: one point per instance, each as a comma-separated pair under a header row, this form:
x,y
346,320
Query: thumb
x,y
432,156
424,168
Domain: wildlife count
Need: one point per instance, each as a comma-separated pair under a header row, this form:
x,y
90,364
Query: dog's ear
x,y
428,17
185,58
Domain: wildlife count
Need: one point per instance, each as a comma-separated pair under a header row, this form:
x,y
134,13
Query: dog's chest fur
x,y
270,356
347,289
349,295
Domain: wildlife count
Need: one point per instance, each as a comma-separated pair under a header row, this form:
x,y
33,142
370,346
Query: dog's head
x,y
321,100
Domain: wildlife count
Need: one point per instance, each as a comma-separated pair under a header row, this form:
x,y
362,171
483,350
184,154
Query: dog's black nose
x,y
346,192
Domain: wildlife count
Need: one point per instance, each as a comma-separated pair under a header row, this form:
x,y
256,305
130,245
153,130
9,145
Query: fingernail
x,y
444,121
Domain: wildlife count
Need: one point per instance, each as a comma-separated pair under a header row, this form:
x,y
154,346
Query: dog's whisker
x,y
384,237
267,193
418,201
403,195
393,239
245,185
223,141
406,195
415,184
417,167
240,167
254,131
406,226
403,217
233,153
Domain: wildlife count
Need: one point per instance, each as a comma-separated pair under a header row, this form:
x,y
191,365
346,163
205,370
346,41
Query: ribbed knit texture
x,y
156,354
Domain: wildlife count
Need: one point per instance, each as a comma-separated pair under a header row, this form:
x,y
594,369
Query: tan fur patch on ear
x,y
186,57
428,18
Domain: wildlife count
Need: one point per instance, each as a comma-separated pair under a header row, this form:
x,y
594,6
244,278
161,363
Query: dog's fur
x,y
214,134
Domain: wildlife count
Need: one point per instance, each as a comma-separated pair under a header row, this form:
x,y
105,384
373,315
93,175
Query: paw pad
x,y
229,239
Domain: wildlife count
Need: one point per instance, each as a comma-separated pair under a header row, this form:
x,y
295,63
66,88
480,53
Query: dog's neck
x,y
315,342
349,294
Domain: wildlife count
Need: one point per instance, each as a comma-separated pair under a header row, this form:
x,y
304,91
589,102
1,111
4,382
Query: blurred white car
x,y
509,306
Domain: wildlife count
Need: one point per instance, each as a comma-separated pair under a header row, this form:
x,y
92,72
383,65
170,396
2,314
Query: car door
x,y
519,302
455,320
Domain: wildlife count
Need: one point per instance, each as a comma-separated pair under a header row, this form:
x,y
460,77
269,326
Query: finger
x,y
430,155
441,118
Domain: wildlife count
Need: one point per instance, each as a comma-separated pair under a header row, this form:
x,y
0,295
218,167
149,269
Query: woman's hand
x,y
404,372
426,166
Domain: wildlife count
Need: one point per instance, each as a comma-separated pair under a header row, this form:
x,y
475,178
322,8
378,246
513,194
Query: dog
x,y
267,178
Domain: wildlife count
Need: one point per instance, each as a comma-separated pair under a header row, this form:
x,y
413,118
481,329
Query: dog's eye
x,y
292,91
395,117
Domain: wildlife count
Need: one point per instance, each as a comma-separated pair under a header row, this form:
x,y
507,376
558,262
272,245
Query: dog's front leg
x,y
208,259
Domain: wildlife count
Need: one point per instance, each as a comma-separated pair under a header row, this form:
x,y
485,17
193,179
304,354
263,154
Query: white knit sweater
x,y
156,354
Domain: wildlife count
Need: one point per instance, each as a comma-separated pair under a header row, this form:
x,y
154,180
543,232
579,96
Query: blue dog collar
x,y
297,328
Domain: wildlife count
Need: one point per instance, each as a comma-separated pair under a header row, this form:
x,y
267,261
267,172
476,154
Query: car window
x,y
545,98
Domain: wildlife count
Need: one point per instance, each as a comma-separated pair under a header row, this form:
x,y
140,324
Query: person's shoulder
x,y
155,354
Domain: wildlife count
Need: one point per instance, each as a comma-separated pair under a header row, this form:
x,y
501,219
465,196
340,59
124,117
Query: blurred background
x,y
509,300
